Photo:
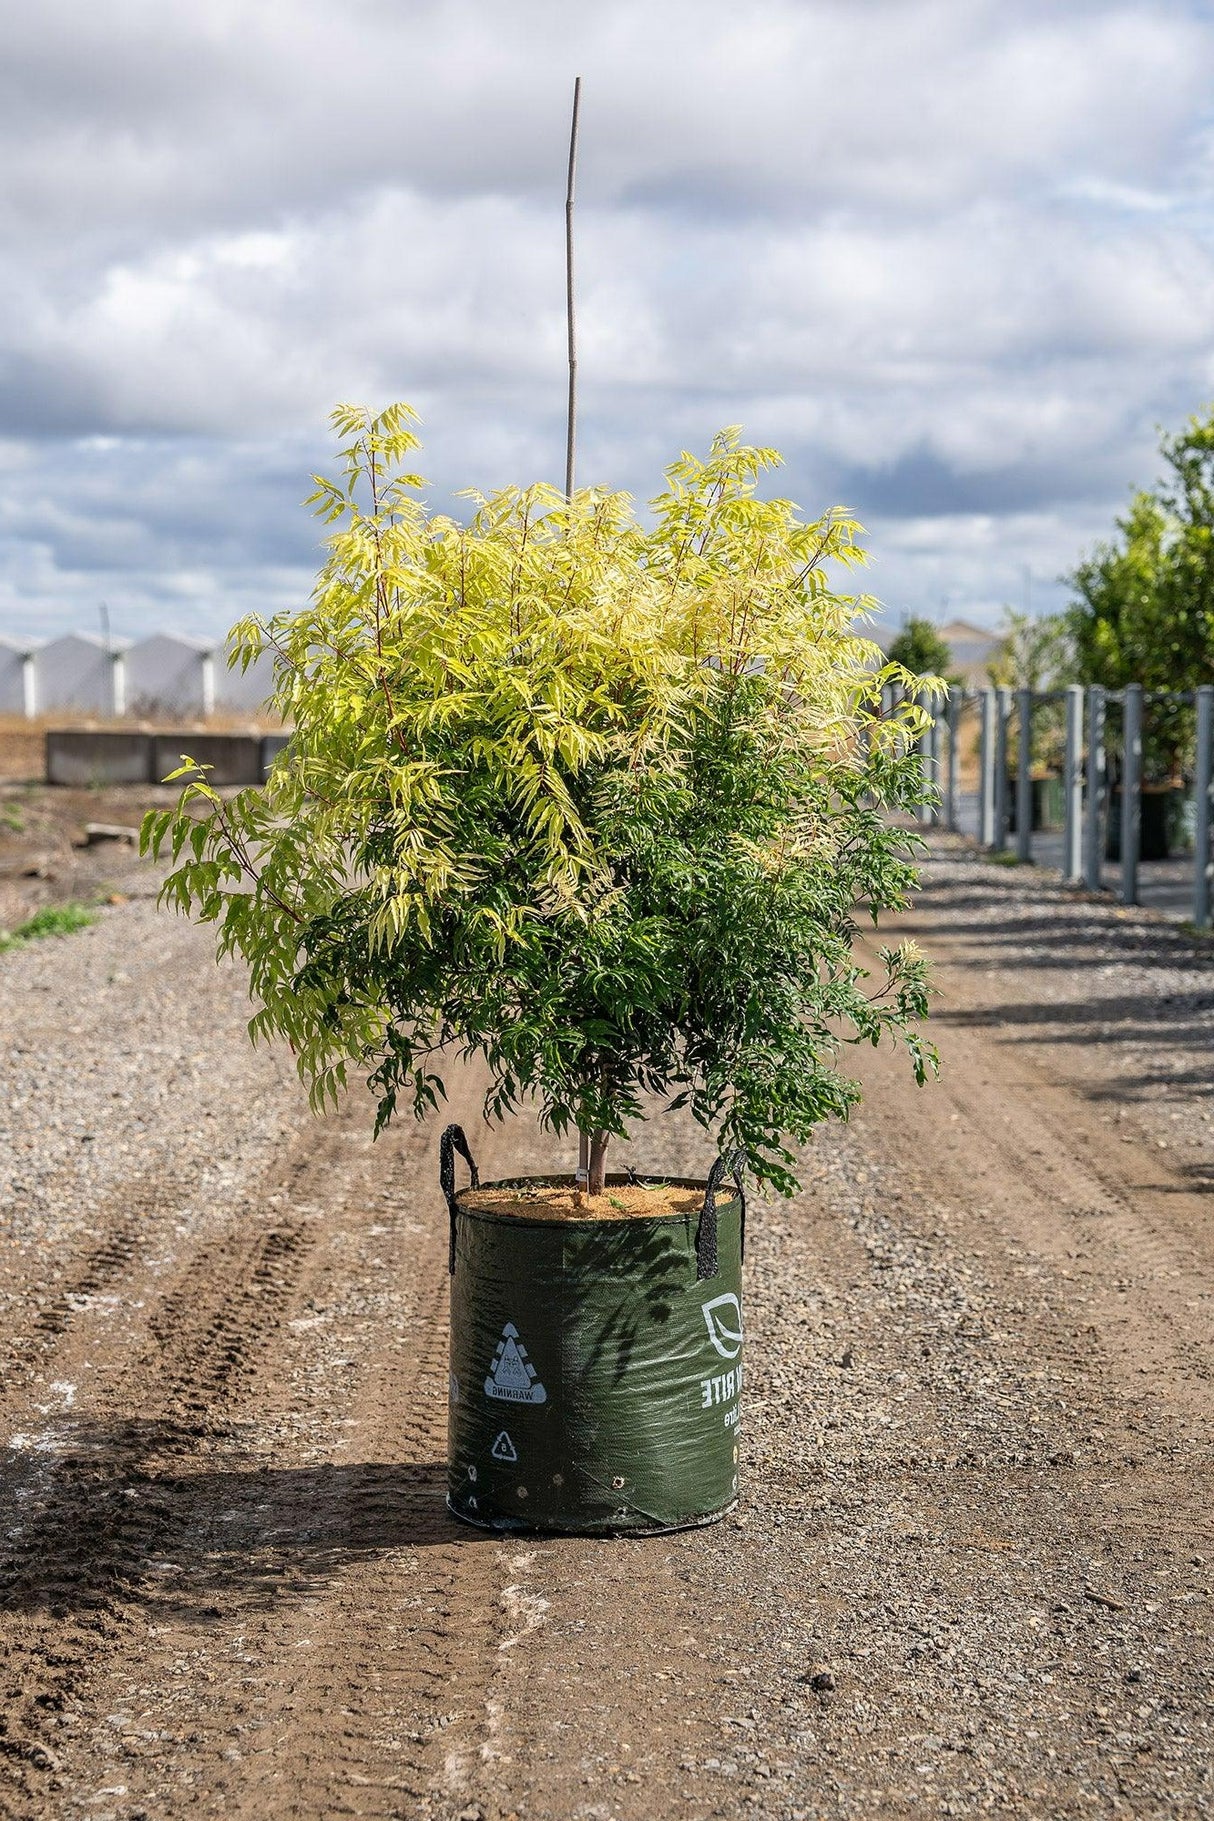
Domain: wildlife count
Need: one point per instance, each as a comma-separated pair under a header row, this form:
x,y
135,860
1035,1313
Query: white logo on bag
x,y
723,1319
512,1376
504,1449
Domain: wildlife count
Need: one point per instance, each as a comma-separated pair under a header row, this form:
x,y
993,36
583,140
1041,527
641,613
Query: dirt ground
x,y
45,854
971,1570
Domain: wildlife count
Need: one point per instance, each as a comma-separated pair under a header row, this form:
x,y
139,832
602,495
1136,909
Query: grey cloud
x,y
953,257
195,116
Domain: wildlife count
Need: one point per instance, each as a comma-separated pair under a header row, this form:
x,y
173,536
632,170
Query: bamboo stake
x,y
571,425
583,1149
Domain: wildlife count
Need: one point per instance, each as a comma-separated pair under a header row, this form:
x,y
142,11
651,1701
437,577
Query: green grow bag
x,y
596,1365
1167,822
1048,804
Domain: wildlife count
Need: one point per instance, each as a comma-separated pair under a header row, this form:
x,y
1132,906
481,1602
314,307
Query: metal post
x,y
1131,790
206,665
952,772
1003,708
1024,775
927,814
1203,784
986,781
29,685
1092,829
1072,785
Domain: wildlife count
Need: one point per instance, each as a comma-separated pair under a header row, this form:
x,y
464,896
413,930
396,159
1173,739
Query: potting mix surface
x,y
560,1201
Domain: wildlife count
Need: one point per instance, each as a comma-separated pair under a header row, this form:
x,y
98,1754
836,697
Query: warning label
x,y
512,1377
504,1449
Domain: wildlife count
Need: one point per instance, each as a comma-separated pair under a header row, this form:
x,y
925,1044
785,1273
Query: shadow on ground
x,y
113,1512
1156,1034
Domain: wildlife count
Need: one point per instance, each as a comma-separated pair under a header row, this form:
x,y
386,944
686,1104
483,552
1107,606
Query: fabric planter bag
x,y
596,1363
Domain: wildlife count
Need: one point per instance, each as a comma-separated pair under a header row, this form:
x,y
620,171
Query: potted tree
x,y
598,804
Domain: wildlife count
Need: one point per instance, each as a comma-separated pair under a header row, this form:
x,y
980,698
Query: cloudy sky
x,y
954,258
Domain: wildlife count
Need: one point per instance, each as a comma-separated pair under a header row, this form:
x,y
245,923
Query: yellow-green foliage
x,y
542,643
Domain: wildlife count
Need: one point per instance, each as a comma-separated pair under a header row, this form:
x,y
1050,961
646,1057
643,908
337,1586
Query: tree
x,y
919,648
1034,652
1144,607
592,802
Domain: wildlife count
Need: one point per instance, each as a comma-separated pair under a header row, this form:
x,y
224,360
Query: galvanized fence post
x,y
1024,775
986,786
927,765
1092,856
1131,790
1072,783
1203,784
1003,712
952,771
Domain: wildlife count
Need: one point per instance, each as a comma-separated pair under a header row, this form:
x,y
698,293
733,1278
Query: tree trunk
x,y
598,1162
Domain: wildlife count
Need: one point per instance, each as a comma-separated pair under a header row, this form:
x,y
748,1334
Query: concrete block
x,y
235,758
78,756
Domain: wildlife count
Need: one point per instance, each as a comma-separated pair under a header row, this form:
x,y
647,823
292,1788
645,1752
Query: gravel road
x,y
972,1566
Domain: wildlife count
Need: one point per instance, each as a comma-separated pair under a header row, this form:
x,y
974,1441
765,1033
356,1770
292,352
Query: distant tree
x,y
919,648
1144,606
1034,651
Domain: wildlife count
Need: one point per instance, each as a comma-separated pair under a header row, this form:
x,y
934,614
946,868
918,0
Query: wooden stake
x,y
571,424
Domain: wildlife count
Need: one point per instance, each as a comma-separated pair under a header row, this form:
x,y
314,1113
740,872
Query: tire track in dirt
x,y
86,1482
265,1632
383,1711
45,1305
1103,1223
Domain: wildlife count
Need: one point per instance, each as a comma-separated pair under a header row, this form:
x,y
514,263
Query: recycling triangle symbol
x,y
504,1449
512,1377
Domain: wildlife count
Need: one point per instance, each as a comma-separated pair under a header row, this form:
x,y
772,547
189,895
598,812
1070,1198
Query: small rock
x,y
823,1680
97,832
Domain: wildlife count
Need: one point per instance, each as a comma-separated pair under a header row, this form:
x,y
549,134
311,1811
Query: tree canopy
x,y
594,802
1144,602
919,648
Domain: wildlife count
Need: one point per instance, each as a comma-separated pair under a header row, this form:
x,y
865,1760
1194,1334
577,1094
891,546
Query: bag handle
x,y
731,1163
453,1140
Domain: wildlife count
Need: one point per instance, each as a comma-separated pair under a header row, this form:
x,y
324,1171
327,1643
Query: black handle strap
x,y
453,1140
728,1164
